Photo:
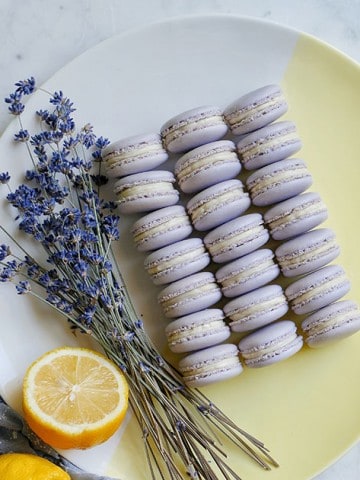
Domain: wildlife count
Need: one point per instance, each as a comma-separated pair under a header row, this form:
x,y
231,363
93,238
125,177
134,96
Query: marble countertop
x,y
38,37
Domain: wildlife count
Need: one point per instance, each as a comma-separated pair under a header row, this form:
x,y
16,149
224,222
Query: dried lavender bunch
x,y
60,207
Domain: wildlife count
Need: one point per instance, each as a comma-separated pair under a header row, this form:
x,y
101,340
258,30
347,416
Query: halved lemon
x,y
25,466
74,397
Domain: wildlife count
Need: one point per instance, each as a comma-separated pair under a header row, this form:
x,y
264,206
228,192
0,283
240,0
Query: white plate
x,y
133,83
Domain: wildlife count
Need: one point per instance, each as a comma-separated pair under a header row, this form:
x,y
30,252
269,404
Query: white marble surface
x,y
37,37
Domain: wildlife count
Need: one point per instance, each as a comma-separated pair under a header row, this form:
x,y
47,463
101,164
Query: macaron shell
x,y
317,289
193,128
295,216
210,365
256,309
176,261
268,145
161,227
218,204
197,331
236,238
307,252
189,295
143,192
332,323
279,181
270,344
247,273
255,109
207,165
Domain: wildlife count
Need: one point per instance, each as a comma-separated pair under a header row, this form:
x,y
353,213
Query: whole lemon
x,y
24,466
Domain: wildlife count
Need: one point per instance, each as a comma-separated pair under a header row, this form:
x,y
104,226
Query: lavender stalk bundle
x,y
60,207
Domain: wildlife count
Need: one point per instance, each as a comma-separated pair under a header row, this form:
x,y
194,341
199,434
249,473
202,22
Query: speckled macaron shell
x,y
134,154
317,289
247,273
206,165
176,261
295,216
255,109
270,344
189,295
268,145
197,331
236,238
213,364
161,227
218,204
143,192
334,322
279,181
193,128
256,309
307,252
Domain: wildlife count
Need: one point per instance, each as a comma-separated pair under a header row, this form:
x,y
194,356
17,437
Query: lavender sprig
x,y
60,207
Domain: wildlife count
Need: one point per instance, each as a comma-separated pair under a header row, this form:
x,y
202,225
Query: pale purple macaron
x,y
334,322
161,227
206,165
307,252
268,145
236,238
197,330
270,344
189,295
317,289
278,181
255,109
213,364
143,192
295,216
257,308
176,261
135,154
218,204
247,273
193,128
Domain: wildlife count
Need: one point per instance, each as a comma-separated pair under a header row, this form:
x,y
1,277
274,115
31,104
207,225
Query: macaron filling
x,y
209,367
235,239
242,116
270,348
335,320
243,274
129,154
295,259
186,127
267,182
252,310
160,226
193,331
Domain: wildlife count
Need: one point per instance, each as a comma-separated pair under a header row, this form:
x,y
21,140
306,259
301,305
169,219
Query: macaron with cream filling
x,y
255,109
197,330
317,289
206,165
218,204
270,344
193,128
213,364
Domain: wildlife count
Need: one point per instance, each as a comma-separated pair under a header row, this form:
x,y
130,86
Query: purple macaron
x,y
270,344
161,227
334,322
213,364
278,181
134,155
268,145
218,204
189,295
257,308
247,273
197,330
236,238
317,289
176,261
143,192
193,128
295,216
206,165
307,252
255,109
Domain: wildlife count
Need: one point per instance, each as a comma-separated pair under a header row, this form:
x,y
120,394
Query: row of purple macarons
x,y
233,235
